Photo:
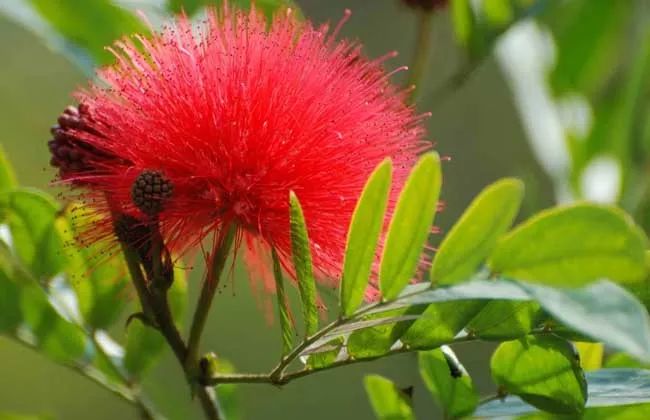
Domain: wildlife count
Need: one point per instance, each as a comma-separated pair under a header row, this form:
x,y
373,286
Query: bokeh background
x,y
554,92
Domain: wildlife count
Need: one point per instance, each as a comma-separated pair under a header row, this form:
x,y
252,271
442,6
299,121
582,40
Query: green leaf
x,y
35,317
571,246
15,416
11,315
440,323
188,6
53,335
99,284
591,355
366,225
388,401
477,26
475,234
543,371
283,309
144,344
410,226
269,7
603,311
7,176
407,309
500,319
108,362
463,20
326,355
620,390
587,33
623,360
423,320
498,12
480,289
381,332
89,25
34,223
637,411
303,265
448,382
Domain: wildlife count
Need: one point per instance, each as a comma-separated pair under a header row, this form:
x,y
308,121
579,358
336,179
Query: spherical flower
x,y
202,127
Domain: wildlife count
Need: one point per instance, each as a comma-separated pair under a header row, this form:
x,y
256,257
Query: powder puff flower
x,y
200,128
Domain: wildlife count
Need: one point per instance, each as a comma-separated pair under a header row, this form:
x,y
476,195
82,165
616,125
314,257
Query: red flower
x,y
216,125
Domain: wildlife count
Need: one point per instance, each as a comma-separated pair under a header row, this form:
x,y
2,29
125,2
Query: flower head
x,y
208,126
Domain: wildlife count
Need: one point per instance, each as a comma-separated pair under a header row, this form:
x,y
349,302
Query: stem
x,y
146,411
89,372
168,329
155,299
209,403
124,391
490,399
437,96
421,54
276,377
286,378
278,371
217,264
139,282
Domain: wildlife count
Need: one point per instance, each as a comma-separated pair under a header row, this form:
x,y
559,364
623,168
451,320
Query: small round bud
x,y
150,190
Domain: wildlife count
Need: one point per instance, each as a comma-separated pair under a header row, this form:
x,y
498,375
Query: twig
x,y
155,298
437,96
490,399
421,54
147,412
125,393
277,377
217,263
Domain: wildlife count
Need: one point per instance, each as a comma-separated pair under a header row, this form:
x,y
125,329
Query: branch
x,y
217,263
123,392
438,95
421,53
156,299
277,377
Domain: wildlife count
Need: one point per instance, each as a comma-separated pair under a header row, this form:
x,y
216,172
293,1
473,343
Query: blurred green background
x,y
483,123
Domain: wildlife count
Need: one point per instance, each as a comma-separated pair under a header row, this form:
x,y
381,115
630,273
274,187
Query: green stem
x,y
216,266
490,399
278,371
421,54
277,377
124,392
147,412
437,96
